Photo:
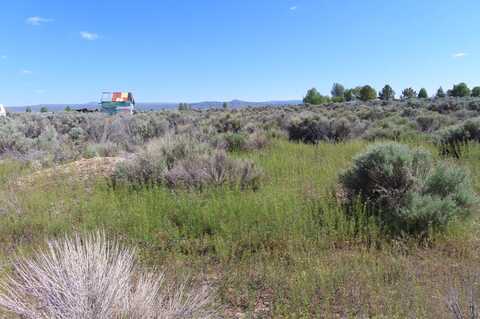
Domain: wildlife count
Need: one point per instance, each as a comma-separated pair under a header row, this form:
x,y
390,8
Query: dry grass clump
x,y
90,277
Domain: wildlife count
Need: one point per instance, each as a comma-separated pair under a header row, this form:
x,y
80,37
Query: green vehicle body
x,y
110,107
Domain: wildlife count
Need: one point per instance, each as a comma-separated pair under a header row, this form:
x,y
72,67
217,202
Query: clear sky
x,y
54,51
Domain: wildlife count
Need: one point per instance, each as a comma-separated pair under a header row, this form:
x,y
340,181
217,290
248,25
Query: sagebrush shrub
x,y
185,162
145,169
90,277
257,140
107,149
235,141
310,130
213,170
406,190
451,139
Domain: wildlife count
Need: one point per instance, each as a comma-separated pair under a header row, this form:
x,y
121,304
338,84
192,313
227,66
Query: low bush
x,y
316,129
309,130
257,141
451,140
107,149
184,162
214,170
145,169
406,190
235,142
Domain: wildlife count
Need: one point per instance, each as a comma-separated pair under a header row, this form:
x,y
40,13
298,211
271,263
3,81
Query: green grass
x,y
286,250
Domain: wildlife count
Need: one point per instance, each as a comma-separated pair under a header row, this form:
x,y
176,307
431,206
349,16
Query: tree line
x,y
366,93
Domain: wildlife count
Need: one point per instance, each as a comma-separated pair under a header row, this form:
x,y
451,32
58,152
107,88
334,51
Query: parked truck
x,y
117,102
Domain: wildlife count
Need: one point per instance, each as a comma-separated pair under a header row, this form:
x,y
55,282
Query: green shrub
x,y
460,90
476,91
451,140
422,94
235,142
368,93
314,97
387,93
474,105
257,141
440,93
408,93
228,124
183,162
309,130
313,130
146,169
406,191
213,170
107,149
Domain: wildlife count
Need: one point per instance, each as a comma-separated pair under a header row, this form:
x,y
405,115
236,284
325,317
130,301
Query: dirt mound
x,y
82,170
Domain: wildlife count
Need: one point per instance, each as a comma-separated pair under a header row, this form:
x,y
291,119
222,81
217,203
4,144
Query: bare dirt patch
x,y
81,170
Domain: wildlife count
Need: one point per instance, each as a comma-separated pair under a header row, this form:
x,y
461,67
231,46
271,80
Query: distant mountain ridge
x,y
146,106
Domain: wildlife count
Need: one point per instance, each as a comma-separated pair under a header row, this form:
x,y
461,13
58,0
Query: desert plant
x,y
387,93
338,91
214,170
235,141
367,93
452,139
91,277
314,97
257,141
184,107
107,149
429,122
309,130
440,93
349,95
406,191
408,93
179,161
476,91
460,90
422,94
146,169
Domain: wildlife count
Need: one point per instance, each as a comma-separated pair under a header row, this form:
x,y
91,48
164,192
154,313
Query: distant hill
x,y
146,106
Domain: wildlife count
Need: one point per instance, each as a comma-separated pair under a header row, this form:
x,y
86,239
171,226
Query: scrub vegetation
x,y
354,208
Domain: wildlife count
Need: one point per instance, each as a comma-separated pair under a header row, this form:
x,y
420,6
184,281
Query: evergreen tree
x,y
423,94
440,93
184,107
460,90
387,93
338,91
368,93
314,97
409,93
349,95
476,91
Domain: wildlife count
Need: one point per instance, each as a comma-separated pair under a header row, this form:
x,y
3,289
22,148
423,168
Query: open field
x,y
278,243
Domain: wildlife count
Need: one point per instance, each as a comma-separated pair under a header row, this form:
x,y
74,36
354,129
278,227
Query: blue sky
x,y
54,51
